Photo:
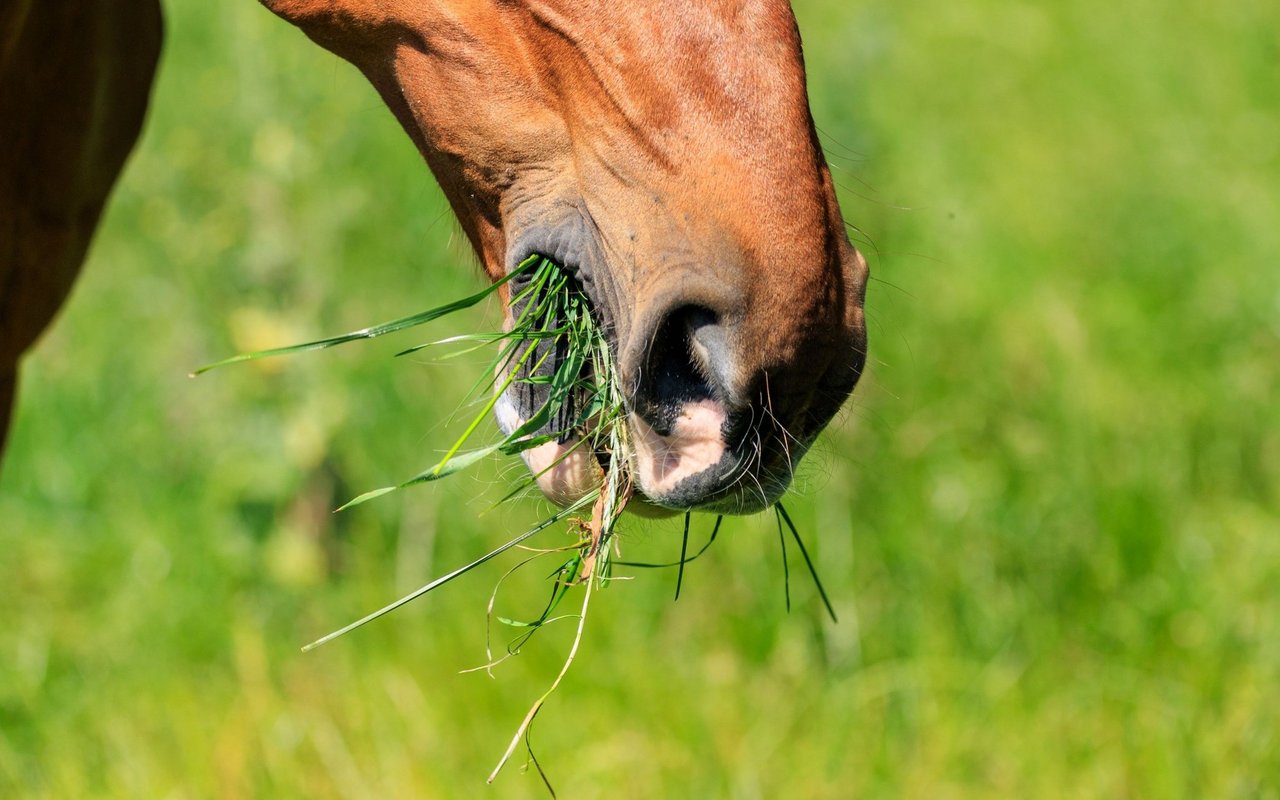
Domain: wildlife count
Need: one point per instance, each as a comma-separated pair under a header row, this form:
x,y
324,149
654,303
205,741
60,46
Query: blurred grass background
x,y
1049,519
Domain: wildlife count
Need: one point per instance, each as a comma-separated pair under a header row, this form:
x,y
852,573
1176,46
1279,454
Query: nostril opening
x,y
676,370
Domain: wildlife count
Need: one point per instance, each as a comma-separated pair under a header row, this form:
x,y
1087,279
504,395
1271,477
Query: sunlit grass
x,y
1046,521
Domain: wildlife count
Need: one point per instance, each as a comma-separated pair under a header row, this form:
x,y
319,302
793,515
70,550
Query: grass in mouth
x,y
556,349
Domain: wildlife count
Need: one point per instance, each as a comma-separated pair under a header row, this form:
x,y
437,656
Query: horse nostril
x,y
709,347
682,365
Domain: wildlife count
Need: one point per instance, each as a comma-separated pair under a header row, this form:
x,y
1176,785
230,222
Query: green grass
x,y
1048,521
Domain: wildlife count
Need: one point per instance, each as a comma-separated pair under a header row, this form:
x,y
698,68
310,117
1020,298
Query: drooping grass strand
x,y
438,582
666,565
782,512
786,572
376,330
684,549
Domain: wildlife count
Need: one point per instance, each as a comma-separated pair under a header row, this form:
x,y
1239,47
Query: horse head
x,y
663,152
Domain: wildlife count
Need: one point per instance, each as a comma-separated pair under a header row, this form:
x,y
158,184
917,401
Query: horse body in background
x,y
660,151
74,82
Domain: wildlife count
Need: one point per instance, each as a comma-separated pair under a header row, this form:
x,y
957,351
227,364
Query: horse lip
x,y
758,478
748,496
750,480
739,497
770,472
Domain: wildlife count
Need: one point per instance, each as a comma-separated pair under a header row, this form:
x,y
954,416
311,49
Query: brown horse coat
x,y
74,82
661,151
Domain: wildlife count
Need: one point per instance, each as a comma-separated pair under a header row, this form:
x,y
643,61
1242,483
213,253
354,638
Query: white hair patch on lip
x,y
508,418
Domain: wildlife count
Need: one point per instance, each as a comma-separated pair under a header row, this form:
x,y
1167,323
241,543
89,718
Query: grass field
x,y
1049,519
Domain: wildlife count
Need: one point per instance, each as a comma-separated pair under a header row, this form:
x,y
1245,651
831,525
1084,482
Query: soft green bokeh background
x,y
1050,518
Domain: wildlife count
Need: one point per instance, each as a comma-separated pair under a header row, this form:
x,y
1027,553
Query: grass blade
x,y
374,331
442,580
649,565
782,512
786,572
684,548
564,669
443,469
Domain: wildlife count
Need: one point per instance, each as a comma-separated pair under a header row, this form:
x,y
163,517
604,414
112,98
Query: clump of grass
x,y
554,347
583,405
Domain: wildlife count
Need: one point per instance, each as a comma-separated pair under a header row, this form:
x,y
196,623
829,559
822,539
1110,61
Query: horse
x,y
75,79
662,152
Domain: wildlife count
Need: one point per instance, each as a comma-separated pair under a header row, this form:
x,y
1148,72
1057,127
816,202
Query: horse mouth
x,y
565,466
691,468
682,447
